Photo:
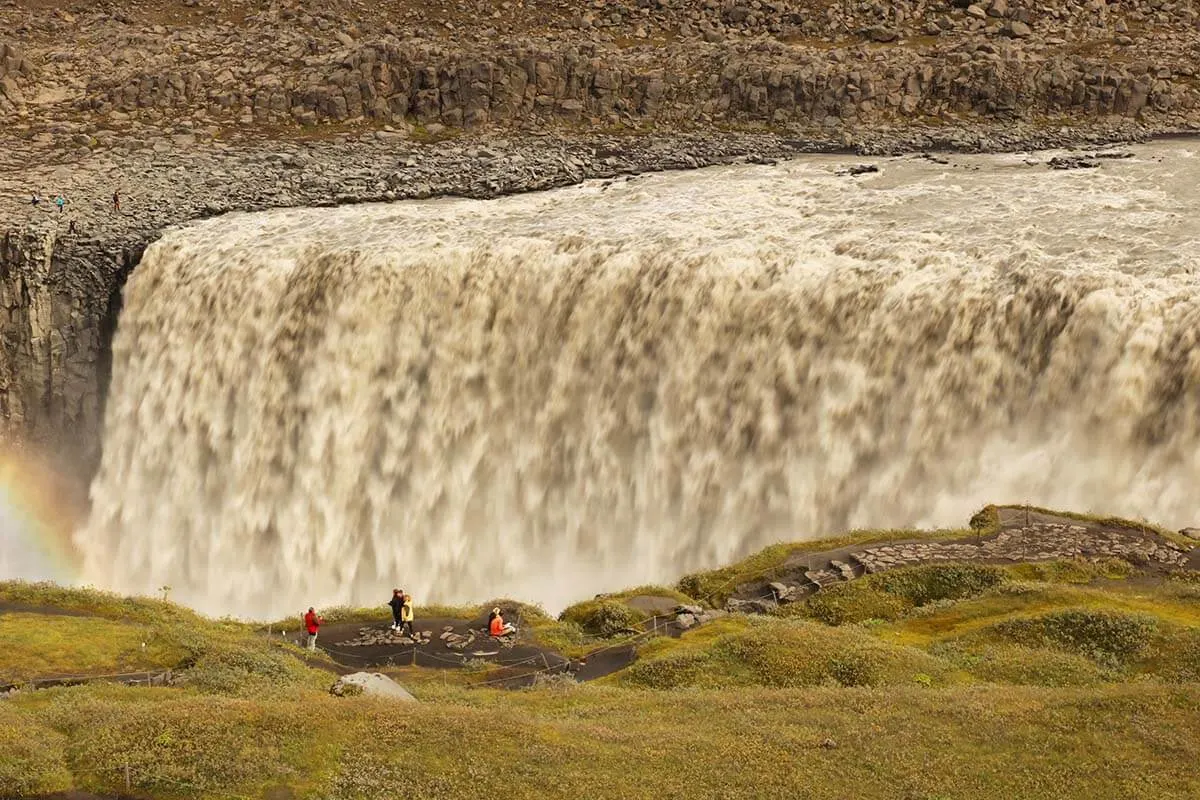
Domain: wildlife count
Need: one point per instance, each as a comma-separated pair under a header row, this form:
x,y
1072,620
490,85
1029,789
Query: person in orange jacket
x,y
498,627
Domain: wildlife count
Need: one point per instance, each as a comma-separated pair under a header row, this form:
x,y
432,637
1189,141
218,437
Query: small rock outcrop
x,y
370,683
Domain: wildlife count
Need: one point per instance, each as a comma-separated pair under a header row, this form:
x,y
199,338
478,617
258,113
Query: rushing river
x,y
551,395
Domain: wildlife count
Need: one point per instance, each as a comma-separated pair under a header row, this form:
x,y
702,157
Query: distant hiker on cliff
x,y
406,615
35,199
397,604
117,202
312,623
61,202
498,627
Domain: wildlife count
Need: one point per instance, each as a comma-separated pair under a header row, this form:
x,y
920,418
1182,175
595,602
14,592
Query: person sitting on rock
x,y
498,627
406,614
35,199
312,623
397,603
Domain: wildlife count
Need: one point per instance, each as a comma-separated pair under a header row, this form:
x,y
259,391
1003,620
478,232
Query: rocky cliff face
x,y
794,65
60,302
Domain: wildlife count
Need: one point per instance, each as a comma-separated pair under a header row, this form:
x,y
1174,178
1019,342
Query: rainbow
x,y
37,517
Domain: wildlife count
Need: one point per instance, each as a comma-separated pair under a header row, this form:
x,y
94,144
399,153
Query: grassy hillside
x,y
1065,679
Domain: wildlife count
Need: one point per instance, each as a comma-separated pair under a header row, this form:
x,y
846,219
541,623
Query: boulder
x,y
1019,30
1073,162
1191,533
751,606
783,592
370,683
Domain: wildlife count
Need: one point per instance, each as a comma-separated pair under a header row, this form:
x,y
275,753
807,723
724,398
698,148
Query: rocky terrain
x,y
209,68
190,108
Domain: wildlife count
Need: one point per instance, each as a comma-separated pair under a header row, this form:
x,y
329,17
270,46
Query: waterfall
x,y
551,395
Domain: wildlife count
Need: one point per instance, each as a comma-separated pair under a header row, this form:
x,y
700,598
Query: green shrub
x,y
714,586
1184,586
605,617
33,761
1071,570
1175,655
670,671
1108,637
245,668
847,603
893,594
90,601
786,655
184,745
1013,664
986,521
933,582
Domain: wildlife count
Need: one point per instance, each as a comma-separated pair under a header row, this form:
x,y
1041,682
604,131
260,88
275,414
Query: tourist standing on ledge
x,y
397,603
312,623
406,614
61,202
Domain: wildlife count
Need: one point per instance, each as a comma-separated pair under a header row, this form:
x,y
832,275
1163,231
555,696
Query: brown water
x,y
552,395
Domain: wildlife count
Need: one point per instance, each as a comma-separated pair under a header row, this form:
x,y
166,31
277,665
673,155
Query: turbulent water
x,y
551,395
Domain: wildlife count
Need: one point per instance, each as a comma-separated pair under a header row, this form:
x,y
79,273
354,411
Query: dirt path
x,y
516,661
53,611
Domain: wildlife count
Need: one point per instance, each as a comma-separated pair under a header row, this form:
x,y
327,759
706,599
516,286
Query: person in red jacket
x,y
312,623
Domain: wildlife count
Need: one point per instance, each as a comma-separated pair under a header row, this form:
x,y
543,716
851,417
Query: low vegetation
x,y
1052,680
780,654
829,742
614,614
894,594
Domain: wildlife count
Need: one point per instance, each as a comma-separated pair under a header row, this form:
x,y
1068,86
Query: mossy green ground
x,y
1060,680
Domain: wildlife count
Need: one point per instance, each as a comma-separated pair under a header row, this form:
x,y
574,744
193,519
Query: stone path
x,y
1043,538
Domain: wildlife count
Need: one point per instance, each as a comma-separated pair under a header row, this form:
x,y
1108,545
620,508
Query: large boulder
x,y
370,683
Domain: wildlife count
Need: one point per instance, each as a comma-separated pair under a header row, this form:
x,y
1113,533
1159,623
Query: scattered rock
x,y
754,606
1073,162
1019,30
1191,533
858,169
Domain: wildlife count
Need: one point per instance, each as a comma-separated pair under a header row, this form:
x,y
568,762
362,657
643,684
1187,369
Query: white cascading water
x,y
551,395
